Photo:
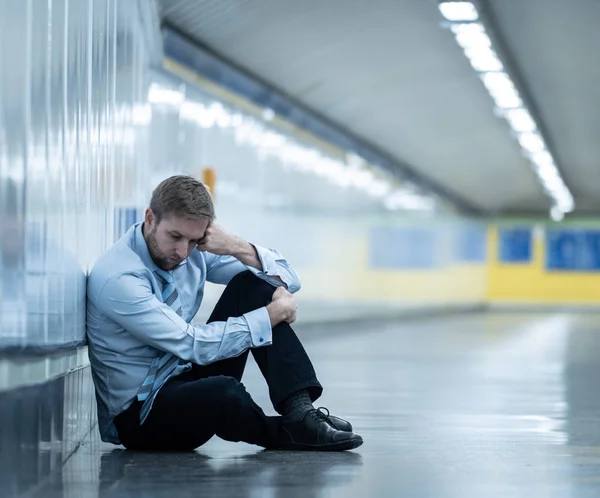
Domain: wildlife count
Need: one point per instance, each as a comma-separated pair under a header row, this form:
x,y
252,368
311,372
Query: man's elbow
x,y
295,285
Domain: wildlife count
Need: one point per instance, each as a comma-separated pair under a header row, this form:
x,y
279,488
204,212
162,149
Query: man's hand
x,y
218,241
283,307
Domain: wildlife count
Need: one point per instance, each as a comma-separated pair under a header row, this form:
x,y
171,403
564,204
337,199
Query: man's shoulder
x,y
118,259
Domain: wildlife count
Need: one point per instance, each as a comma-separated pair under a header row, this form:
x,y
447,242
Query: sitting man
x,y
165,384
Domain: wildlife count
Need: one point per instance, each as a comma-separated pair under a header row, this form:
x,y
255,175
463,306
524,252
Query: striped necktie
x,y
164,364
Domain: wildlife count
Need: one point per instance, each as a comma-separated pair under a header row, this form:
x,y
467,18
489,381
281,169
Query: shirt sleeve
x,y
128,300
221,269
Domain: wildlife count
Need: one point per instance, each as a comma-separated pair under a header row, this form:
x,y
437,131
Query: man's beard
x,y
159,258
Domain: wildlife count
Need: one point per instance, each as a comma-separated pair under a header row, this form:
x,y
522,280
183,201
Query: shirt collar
x,y
142,248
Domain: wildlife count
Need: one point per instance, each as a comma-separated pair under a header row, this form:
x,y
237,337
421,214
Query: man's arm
x,y
247,254
234,255
128,300
238,248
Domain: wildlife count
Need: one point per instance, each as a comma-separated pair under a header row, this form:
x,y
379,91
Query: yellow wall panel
x,y
531,283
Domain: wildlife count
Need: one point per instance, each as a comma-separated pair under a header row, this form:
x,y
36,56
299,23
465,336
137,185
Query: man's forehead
x,y
185,226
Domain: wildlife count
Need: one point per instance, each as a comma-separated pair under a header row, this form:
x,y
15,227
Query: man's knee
x,y
247,278
230,391
246,282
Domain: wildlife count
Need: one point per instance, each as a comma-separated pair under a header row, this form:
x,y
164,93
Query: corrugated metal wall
x,y
72,78
72,74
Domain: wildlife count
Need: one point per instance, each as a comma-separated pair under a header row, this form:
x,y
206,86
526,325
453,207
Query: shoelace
x,y
323,413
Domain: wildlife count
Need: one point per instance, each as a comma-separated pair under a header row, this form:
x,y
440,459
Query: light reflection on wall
x,y
349,172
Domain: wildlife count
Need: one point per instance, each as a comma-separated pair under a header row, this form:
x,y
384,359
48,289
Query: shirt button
x,y
261,340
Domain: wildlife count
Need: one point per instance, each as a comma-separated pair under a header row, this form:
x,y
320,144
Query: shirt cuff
x,y
259,325
269,266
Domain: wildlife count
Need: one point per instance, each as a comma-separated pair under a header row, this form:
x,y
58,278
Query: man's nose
x,y
181,250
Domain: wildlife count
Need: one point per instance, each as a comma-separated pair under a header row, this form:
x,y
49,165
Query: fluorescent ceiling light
x,y
550,177
459,11
543,160
471,36
546,169
484,60
502,90
531,142
466,28
467,35
567,205
556,213
508,100
520,120
477,46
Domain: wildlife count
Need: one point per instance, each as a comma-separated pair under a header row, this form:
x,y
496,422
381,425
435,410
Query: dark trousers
x,y
211,400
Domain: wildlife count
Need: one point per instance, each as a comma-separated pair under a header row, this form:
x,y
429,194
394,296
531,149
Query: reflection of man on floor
x,y
163,383
249,475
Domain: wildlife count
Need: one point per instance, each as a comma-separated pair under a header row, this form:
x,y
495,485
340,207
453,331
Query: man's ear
x,y
149,217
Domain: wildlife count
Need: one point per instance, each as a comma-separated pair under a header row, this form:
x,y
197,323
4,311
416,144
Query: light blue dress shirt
x,y
127,322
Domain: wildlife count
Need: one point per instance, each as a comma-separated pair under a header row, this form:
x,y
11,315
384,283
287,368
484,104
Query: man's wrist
x,y
277,313
242,249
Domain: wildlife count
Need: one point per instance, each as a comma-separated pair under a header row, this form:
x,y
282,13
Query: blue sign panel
x,y
573,250
471,244
515,245
403,248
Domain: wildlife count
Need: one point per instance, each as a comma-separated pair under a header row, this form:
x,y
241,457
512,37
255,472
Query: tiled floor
x,y
474,405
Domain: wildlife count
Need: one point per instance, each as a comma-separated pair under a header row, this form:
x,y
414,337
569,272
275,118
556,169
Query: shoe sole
x,y
350,444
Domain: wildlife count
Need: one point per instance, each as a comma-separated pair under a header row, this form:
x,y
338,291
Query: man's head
x,y
181,209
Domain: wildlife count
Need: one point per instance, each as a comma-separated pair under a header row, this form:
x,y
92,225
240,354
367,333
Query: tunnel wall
x,y
537,263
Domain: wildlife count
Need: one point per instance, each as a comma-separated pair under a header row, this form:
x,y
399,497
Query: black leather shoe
x,y
313,432
336,422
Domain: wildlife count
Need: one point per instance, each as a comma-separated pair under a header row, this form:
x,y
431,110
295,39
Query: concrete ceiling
x,y
555,45
388,72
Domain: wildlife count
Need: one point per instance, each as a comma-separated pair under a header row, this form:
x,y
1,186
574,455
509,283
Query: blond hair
x,y
184,197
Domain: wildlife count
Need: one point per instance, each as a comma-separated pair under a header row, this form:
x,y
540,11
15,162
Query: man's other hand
x,y
283,307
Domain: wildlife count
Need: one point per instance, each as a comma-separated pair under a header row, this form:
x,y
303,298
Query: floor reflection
x,y
476,405
126,473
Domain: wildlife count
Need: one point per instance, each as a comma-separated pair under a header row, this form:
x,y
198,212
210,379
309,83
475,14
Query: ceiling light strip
x,y
465,23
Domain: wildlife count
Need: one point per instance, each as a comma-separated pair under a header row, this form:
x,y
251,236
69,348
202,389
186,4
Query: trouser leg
x,y
284,364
